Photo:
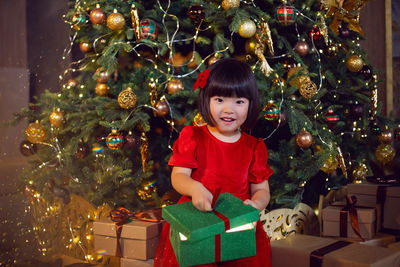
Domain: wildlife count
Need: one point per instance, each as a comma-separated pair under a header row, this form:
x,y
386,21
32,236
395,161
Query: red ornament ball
x,y
331,119
315,33
271,111
114,140
148,29
286,14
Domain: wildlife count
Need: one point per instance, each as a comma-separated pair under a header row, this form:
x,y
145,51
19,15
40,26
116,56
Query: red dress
x,y
230,166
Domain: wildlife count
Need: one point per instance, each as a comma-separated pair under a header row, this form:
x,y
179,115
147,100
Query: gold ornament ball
x,y
227,4
297,81
330,165
102,75
102,89
85,47
127,98
57,118
247,29
360,174
304,139
162,108
97,16
35,133
354,63
308,88
115,21
385,137
174,86
385,153
250,46
198,120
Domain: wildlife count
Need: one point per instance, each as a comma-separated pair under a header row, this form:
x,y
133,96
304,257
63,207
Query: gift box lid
x,y
134,230
195,224
371,189
365,214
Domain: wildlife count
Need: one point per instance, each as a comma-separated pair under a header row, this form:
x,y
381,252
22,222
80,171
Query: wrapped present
x,y
337,221
379,240
125,262
134,239
205,237
387,196
394,246
313,251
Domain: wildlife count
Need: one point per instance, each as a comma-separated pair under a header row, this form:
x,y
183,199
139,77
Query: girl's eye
x,y
219,100
239,102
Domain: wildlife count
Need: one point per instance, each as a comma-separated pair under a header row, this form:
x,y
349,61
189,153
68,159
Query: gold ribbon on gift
x,y
122,216
344,10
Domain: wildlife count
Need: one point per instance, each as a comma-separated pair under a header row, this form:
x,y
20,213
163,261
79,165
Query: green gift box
x,y
226,233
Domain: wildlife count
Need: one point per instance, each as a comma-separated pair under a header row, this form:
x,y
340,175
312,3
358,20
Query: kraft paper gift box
x,y
136,263
138,238
388,196
313,251
226,233
379,240
332,225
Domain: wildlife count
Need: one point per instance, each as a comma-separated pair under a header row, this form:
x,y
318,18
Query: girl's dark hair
x,y
230,77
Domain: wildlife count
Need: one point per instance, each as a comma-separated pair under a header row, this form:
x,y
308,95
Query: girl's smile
x,y
228,114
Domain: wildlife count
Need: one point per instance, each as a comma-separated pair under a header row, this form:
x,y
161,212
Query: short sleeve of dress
x,y
259,168
184,149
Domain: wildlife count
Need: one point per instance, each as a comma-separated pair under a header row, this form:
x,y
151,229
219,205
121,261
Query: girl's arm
x,y
184,184
260,195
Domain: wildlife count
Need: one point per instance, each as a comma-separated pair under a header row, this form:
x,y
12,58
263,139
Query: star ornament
x,y
201,80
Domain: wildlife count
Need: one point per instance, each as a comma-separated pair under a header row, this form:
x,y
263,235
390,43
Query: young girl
x,y
221,155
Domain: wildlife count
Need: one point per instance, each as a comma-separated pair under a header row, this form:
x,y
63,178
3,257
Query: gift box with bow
x,y
128,235
204,237
388,197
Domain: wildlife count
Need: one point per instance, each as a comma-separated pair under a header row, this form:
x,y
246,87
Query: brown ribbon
x,y
122,216
381,199
317,255
350,209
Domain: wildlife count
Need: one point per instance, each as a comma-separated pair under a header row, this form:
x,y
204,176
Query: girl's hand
x,y
252,203
202,198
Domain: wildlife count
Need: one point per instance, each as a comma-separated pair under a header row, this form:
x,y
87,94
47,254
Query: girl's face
x,y
228,113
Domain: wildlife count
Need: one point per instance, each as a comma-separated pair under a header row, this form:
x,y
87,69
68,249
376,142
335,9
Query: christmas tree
x,y
106,136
